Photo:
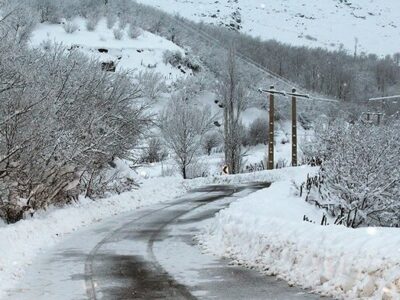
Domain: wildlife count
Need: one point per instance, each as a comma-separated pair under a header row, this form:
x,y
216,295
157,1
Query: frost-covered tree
x,y
183,126
49,10
62,119
360,173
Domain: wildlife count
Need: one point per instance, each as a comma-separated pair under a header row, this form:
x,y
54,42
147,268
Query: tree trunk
x,y
184,172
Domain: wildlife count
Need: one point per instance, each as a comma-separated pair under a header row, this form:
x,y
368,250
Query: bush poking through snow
x,y
134,32
91,23
211,141
177,59
258,132
118,33
111,19
46,45
70,27
154,152
173,57
281,163
198,169
152,85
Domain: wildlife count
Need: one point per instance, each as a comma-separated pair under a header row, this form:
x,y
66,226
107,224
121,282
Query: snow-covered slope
x,y
140,54
315,23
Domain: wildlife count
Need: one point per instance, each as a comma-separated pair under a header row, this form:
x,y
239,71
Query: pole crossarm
x,y
297,95
272,92
324,99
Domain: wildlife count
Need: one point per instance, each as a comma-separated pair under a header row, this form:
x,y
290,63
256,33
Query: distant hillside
x,y
371,26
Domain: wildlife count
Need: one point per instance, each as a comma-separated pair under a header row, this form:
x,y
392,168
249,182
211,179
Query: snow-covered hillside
x,y
144,53
330,23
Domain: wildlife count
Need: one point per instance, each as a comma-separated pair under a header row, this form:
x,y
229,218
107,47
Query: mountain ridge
x,y
356,26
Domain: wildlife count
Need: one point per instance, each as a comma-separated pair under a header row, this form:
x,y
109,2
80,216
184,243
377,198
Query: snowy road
x,y
150,254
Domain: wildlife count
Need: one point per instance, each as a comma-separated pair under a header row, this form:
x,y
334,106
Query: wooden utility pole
x,y
271,128
294,129
295,95
270,165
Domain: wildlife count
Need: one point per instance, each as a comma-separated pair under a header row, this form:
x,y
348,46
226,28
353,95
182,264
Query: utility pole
x,y
294,129
271,130
295,95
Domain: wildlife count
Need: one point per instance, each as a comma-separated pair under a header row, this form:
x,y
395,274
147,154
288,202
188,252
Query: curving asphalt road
x,y
150,254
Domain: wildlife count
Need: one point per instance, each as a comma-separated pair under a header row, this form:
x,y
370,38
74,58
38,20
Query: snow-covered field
x,y
314,23
266,231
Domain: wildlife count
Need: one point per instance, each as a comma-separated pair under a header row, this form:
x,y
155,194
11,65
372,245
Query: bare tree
x,y
152,85
232,93
184,126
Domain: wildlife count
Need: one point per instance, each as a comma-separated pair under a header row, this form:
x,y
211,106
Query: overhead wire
x,y
185,24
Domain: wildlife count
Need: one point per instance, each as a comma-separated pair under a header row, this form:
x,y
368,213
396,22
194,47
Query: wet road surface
x,y
151,254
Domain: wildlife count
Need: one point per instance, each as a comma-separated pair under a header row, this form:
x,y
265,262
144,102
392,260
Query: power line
x,y
249,61
385,98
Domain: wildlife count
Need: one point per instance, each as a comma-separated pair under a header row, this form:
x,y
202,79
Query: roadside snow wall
x,y
266,231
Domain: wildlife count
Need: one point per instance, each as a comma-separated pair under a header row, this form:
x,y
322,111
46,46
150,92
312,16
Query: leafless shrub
x,y
199,168
111,19
154,152
118,33
134,32
92,22
258,132
211,141
70,27
152,84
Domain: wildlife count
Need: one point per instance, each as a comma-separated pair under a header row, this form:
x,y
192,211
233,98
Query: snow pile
x,y
21,242
266,230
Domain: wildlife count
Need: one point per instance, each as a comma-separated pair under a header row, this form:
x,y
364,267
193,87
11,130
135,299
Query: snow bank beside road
x,y
21,242
266,230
